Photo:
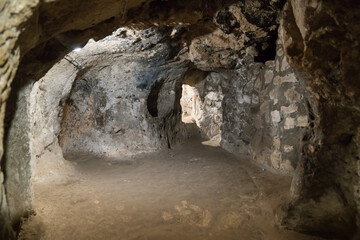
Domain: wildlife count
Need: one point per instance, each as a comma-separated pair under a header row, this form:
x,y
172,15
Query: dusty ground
x,y
191,192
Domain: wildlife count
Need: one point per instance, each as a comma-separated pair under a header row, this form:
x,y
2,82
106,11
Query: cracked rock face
x,y
248,27
321,40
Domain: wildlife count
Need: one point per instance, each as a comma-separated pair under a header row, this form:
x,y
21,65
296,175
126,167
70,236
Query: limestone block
x,y
302,121
213,96
290,109
292,95
289,78
275,116
269,75
273,96
289,123
247,99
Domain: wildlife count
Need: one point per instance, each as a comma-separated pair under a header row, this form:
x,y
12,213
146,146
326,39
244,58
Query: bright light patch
x,y
213,142
76,49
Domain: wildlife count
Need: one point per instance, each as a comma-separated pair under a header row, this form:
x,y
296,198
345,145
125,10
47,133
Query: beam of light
x,y
76,49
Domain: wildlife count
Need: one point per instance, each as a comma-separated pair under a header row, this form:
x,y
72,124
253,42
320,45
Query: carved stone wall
x,y
265,113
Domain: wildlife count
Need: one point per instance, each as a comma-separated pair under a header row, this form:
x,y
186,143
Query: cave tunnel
x,y
154,119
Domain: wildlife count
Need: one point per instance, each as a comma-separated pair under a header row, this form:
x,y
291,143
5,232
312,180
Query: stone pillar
x,y
17,153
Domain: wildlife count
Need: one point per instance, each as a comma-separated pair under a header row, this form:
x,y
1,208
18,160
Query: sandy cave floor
x,y
193,191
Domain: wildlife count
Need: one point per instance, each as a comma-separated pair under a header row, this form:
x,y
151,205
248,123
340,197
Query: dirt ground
x,y
193,191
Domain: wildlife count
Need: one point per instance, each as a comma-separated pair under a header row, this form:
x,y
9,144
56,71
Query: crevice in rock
x,y
152,99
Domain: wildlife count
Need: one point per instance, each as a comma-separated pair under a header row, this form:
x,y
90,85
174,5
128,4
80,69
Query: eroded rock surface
x,y
243,28
125,101
321,41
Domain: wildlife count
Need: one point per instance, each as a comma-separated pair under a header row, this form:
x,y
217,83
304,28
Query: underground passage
x,y
173,119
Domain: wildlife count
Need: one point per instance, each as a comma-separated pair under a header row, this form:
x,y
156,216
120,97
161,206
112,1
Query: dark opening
x,y
269,52
153,98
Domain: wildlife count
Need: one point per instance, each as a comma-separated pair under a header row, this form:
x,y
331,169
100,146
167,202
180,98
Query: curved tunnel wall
x,y
102,108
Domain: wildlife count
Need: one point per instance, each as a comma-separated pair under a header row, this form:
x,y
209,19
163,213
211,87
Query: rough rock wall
x,y
54,28
16,142
321,40
100,101
246,28
242,27
22,126
125,103
45,111
154,54
9,61
265,113
261,110
26,24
